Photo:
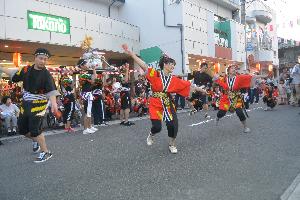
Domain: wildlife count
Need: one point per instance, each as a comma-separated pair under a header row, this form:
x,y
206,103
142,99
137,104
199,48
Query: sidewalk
x,y
293,191
60,131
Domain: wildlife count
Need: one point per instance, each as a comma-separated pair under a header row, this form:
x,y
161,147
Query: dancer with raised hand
x,y
38,87
161,107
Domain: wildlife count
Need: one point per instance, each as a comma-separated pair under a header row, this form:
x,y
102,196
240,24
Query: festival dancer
x,y
69,103
161,107
98,108
231,98
38,86
86,81
269,96
125,99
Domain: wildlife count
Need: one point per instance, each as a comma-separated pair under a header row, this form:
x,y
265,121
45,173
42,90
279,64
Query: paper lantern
x,y
17,59
258,67
217,67
270,68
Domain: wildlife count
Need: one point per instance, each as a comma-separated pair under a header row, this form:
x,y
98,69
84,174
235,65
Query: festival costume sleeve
x,y
222,83
244,81
150,74
18,76
179,86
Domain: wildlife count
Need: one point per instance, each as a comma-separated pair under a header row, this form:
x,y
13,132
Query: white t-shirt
x,y
296,74
9,110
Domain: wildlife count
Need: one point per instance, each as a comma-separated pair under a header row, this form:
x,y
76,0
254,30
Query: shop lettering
x,y
48,23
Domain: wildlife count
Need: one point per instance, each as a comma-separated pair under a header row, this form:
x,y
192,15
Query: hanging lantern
x,y
257,66
217,67
270,68
17,59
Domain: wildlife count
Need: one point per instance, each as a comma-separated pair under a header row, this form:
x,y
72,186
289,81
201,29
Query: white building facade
x,y
261,34
191,31
61,26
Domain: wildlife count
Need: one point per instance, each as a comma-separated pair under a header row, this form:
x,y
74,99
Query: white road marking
x,y
226,116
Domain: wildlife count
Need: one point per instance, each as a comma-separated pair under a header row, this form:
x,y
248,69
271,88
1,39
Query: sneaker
x,y
70,130
87,131
173,149
192,112
247,130
35,147
150,139
9,133
206,116
122,123
266,109
43,157
103,124
128,123
93,129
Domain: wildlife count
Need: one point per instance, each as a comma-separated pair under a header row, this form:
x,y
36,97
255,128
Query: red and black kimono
x,y
161,106
162,86
231,98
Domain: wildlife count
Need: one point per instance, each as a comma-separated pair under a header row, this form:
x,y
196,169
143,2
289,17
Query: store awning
x,y
151,55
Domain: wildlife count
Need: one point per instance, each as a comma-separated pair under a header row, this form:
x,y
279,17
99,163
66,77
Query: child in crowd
x,y
68,103
282,93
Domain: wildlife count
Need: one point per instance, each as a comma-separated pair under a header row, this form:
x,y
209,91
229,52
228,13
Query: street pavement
x,y
213,162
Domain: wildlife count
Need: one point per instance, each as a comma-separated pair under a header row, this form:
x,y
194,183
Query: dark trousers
x,y
181,101
239,112
172,126
254,94
98,111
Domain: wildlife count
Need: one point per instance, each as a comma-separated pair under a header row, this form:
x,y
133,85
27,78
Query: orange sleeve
x,y
221,82
150,74
179,86
244,81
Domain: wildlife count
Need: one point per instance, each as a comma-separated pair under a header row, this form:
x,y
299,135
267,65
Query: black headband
x,y
41,51
81,62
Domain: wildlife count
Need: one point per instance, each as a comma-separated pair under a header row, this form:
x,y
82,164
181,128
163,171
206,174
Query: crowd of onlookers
x,y
286,90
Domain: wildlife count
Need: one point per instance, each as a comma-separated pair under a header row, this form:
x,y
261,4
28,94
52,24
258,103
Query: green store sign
x,y
45,22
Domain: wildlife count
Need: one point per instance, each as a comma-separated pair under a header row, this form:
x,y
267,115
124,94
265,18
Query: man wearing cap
x,y
38,87
86,82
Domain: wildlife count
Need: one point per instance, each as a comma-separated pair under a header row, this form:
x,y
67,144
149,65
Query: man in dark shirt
x,y
125,99
38,87
202,79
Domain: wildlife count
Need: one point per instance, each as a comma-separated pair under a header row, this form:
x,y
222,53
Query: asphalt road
x,y
213,163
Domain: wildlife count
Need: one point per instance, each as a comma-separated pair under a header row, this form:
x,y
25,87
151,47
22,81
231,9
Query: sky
x,y
287,11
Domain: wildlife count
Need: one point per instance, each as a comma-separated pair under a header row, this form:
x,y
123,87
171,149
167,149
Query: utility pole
x,y
243,12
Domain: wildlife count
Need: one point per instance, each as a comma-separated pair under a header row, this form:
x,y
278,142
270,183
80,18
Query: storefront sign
x,y
222,32
45,22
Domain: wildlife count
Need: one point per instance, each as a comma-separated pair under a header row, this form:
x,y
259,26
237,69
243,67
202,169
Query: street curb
x,y
291,191
56,132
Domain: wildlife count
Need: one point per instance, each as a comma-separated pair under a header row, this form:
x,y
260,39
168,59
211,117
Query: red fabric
x,y
176,85
241,81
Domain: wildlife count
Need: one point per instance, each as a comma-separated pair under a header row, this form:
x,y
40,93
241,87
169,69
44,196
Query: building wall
x,y
198,20
153,32
238,41
107,33
264,52
212,6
